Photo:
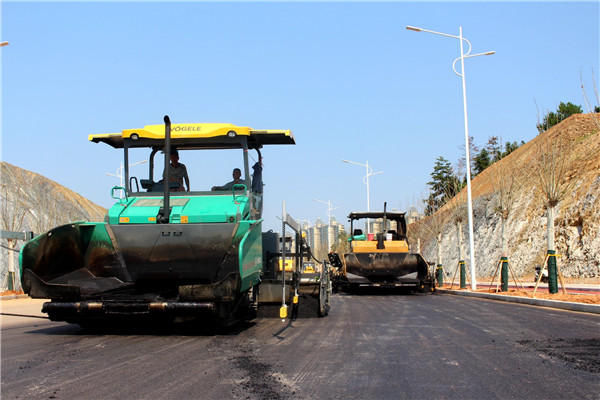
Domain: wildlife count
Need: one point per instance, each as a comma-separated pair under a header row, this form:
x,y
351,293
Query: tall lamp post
x,y
462,57
366,180
119,172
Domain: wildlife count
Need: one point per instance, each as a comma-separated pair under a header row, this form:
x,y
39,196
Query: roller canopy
x,y
376,214
208,135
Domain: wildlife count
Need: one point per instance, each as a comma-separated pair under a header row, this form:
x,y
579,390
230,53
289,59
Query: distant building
x,y
321,237
377,225
413,215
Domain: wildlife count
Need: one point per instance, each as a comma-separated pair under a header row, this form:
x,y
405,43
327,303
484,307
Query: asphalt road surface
x,y
369,347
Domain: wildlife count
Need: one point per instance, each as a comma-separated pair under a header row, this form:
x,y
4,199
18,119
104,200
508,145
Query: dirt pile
x,y
577,223
31,202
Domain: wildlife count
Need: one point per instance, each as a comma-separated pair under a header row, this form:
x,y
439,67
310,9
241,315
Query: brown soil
x,y
9,292
572,297
543,294
531,278
579,139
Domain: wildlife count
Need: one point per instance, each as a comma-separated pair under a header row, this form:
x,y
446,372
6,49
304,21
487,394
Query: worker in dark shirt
x,y
237,175
178,173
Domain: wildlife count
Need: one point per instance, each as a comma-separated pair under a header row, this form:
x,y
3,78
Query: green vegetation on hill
x,y
564,111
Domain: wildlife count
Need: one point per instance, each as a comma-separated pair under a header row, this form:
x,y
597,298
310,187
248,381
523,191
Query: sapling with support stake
x,y
554,185
434,225
506,185
457,207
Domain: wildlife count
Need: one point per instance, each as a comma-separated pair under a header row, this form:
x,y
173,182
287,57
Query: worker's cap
x,y
174,152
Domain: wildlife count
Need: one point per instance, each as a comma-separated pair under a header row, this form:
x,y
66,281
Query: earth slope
x,y
577,223
31,202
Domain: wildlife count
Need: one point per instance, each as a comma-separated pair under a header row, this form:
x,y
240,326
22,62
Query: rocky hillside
x,y
577,223
31,202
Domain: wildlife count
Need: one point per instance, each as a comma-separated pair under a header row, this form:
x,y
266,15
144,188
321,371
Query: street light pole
x,y
468,156
329,227
368,191
369,172
119,172
462,57
329,208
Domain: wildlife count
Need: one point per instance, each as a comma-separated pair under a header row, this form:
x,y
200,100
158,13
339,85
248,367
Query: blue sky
x,y
347,78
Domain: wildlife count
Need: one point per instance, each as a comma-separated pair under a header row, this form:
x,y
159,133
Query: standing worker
x,y
178,173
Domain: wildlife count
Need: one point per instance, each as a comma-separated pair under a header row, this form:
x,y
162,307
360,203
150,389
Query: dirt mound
x,y
31,202
577,220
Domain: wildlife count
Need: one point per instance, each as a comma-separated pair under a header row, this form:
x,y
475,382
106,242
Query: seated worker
x,y
178,173
237,174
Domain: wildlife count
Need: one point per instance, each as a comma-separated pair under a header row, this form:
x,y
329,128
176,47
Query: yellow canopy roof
x,y
195,135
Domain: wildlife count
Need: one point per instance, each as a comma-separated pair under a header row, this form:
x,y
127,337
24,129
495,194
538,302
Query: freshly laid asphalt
x,y
371,346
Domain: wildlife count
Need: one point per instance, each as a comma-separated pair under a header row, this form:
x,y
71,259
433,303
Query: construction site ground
x,y
577,292
371,346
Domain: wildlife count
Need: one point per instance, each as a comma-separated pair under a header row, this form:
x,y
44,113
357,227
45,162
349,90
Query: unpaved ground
x,y
9,292
570,297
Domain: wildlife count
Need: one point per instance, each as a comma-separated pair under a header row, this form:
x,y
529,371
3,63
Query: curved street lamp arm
x,y
469,49
487,53
417,29
371,174
355,163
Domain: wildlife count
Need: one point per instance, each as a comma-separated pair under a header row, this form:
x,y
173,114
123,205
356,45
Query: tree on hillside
x,y
553,183
433,225
441,177
473,151
414,235
596,108
510,147
482,161
458,213
494,148
552,118
506,184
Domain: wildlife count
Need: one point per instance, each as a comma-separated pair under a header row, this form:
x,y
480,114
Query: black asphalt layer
x,y
369,347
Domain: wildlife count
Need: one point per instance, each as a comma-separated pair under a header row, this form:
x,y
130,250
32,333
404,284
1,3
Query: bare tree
x,y
13,210
457,208
462,161
553,183
433,226
587,100
506,185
